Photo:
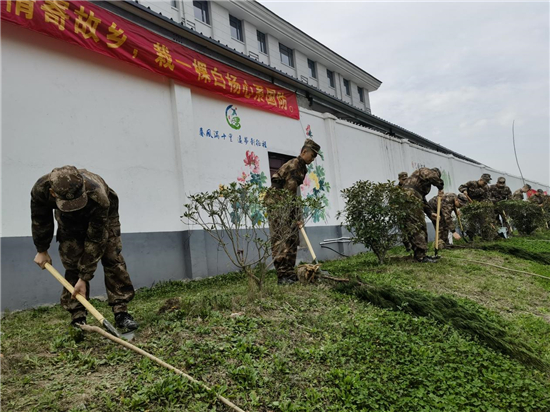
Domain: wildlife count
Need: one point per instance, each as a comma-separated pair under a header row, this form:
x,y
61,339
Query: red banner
x,y
89,26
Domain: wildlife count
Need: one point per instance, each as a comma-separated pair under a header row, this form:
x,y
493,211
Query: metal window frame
x,y
331,81
239,30
261,43
347,87
290,54
312,70
205,10
361,93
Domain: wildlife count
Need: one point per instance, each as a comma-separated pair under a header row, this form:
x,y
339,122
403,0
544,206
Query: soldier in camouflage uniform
x,y
290,177
518,194
418,185
86,210
538,198
401,178
449,203
477,190
401,181
499,193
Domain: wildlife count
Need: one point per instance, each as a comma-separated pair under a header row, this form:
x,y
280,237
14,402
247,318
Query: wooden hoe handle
x,y
304,234
100,318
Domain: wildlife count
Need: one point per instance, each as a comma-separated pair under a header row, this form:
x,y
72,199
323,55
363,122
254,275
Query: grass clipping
x,y
446,310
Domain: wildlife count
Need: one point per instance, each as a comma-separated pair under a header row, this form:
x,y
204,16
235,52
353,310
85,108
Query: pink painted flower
x,y
306,185
252,161
242,178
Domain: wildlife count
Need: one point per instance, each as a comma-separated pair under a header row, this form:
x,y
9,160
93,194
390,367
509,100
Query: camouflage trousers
x,y
415,229
443,234
284,247
119,287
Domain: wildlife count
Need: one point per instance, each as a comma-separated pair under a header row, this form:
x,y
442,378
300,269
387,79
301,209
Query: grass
x,y
297,348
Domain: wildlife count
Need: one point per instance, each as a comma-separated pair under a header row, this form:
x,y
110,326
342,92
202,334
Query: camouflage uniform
x,y
401,178
419,185
537,197
85,235
518,195
401,181
446,222
284,247
499,193
475,191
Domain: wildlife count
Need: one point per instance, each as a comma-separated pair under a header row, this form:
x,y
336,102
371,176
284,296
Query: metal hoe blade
x,y
112,330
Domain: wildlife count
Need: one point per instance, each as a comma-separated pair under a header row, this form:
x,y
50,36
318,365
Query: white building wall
x,y
300,61
164,7
91,111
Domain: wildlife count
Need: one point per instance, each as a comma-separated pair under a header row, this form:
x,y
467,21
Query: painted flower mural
x,y
316,185
252,161
253,174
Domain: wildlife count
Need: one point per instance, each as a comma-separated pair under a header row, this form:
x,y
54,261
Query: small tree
x,y
479,219
526,217
236,217
374,212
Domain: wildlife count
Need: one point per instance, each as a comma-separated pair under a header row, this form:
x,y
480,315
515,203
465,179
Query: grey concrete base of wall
x,y
151,258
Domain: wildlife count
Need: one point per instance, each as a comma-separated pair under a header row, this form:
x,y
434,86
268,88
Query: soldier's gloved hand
x,y
434,216
299,223
42,258
79,288
440,192
456,236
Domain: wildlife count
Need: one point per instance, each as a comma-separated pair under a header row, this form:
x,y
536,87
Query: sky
x,y
457,73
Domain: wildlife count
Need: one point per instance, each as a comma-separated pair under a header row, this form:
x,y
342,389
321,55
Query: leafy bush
x,y
374,212
236,217
526,217
479,220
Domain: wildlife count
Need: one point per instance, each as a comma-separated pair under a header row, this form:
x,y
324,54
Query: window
x,y
287,55
174,3
330,75
361,96
262,45
276,160
201,11
346,86
236,28
312,69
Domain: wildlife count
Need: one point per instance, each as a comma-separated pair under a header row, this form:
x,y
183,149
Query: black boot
x,y
124,320
78,321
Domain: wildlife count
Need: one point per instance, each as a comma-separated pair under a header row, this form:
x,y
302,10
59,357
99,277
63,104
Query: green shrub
x,y
526,217
479,219
374,212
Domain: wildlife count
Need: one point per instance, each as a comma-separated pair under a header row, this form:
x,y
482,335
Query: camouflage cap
x,y
310,144
68,186
402,175
501,180
486,177
462,199
436,169
528,186
540,191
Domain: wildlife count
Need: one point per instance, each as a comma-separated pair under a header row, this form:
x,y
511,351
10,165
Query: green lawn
x,y
296,348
